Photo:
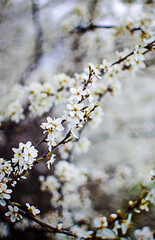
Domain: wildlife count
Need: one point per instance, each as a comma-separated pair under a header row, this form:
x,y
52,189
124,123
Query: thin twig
x,y
50,228
81,29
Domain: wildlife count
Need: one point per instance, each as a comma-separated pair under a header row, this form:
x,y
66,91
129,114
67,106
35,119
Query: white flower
x,y
138,64
65,171
144,234
5,168
126,224
51,141
4,193
80,232
138,53
82,145
116,227
15,111
51,184
75,114
77,93
106,233
4,230
75,132
100,222
13,213
97,117
88,94
52,125
51,161
105,65
68,172
65,149
151,196
32,209
149,40
30,153
113,74
94,70
144,206
152,173
25,155
40,97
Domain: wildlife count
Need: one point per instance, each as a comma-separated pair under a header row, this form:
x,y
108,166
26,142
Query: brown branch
x,y
81,28
92,9
43,224
3,7
85,124
41,140
50,228
148,47
38,31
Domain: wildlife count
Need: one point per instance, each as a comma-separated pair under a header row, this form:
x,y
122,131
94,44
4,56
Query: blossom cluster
x,y
80,95
11,171
68,192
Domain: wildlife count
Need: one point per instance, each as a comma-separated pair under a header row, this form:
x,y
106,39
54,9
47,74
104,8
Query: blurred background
x,y
42,38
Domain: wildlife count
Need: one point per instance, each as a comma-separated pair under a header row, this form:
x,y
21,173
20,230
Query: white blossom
x,y
105,65
4,230
138,53
52,125
51,161
13,213
151,196
75,114
106,233
77,93
4,193
95,70
126,223
24,155
32,209
143,234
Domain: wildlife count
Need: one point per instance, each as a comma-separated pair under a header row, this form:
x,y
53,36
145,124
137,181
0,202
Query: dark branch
x,y
38,31
81,28
38,48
